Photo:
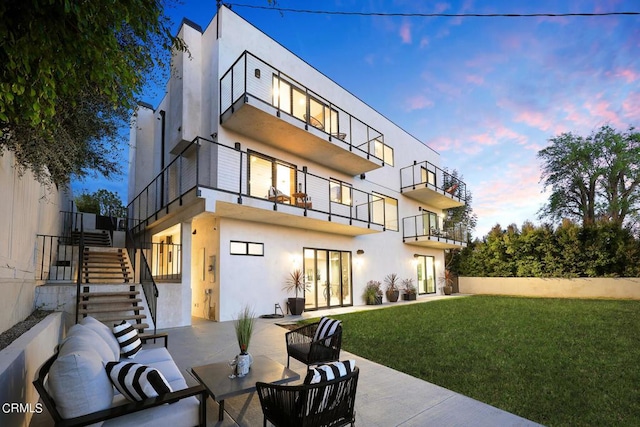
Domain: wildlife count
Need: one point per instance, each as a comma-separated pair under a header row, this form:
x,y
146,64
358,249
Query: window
x,y
340,192
296,102
427,176
383,151
385,211
246,248
266,173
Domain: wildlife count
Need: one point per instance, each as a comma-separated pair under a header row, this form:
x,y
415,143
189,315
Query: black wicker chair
x,y
302,346
329,403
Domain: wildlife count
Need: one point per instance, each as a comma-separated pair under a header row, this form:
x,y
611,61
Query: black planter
x,y
408,297
392,296
296,306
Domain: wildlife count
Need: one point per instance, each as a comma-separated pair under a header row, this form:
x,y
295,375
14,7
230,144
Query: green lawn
x,y
558,362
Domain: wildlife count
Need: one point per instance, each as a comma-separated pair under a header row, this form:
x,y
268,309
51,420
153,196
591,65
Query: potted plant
x,y
410,291
244,328
297,284
447,282
372,294
392,291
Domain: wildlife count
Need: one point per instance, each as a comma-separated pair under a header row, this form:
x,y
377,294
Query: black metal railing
x,y
55,258
227,169
136,253
165,260
252,76
426,174
423,225
80,266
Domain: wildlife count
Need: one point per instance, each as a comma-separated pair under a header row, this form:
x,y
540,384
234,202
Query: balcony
x,y
426,230
260,101
250,186
433,186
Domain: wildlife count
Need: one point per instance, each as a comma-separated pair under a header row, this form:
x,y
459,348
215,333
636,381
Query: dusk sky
x,y
486,93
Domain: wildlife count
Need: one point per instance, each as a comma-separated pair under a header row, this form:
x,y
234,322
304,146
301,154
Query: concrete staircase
x,y
107,291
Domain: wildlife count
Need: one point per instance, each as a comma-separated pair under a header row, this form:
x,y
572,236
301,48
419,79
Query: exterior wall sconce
x,y
256,73
359,252
194,231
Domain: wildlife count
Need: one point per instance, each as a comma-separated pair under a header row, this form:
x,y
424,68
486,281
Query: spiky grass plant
x,y
244,328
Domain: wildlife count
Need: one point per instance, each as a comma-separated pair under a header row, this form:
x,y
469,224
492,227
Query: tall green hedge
x,y
602,249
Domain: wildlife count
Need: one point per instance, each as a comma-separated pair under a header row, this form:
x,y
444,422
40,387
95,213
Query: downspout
x,y
162,144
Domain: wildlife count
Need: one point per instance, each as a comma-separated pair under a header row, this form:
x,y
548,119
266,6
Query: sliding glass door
x,y
328,278
426,272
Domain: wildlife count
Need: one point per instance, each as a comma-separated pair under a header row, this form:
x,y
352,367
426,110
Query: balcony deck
x,y
432,196
435,242
251,117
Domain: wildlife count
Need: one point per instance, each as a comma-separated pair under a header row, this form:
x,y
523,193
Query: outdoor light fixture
x,y
256,73
360,252
194,231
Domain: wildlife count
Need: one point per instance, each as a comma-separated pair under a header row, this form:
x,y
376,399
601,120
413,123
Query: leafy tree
x,y
70,74
101,202
593,177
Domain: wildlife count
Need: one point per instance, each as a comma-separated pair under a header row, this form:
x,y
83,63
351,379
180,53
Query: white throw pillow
x,y
80,337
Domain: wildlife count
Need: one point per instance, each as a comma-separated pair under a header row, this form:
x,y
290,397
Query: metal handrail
x,y
414,227
149,287
336,130
228,177
426,174
80,266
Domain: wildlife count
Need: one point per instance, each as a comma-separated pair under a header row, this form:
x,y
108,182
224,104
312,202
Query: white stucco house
x,y
255,164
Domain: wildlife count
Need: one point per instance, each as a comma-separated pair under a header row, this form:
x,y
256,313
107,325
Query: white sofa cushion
x,y
80,337
79,384
105,333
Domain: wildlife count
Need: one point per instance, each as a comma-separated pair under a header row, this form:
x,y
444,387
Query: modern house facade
x,y
255,164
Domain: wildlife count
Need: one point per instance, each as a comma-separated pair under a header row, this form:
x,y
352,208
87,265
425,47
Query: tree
x,y
101,202
593,177
71,71
462,218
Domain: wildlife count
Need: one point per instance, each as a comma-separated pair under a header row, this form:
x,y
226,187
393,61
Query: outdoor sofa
x,y
77,390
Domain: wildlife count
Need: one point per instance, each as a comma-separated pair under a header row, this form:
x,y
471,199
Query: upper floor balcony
x,y
429,230
266,104
251,186
427,183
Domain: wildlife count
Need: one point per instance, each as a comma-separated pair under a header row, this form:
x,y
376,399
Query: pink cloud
x,y
405,32
475,79
418,102
627,74
534,119
631,107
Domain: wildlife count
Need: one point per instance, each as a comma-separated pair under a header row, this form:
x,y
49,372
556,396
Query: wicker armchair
x,y
302,346
330,403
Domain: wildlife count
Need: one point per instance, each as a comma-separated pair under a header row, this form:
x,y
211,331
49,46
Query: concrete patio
x,y
385,396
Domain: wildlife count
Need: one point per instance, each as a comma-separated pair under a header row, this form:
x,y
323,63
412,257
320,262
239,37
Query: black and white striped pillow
x,y
326,328
128,339
329,371
137,382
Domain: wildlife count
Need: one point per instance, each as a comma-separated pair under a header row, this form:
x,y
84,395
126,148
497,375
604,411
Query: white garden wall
x,y
552,287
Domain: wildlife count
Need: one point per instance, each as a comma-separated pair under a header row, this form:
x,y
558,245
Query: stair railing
x,y
149,287
80,267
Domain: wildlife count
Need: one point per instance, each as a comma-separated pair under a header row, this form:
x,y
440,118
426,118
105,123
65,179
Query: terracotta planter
x,y
296,306
392,296
447,290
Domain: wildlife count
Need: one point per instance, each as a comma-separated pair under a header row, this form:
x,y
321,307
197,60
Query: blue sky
x,y
486,93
